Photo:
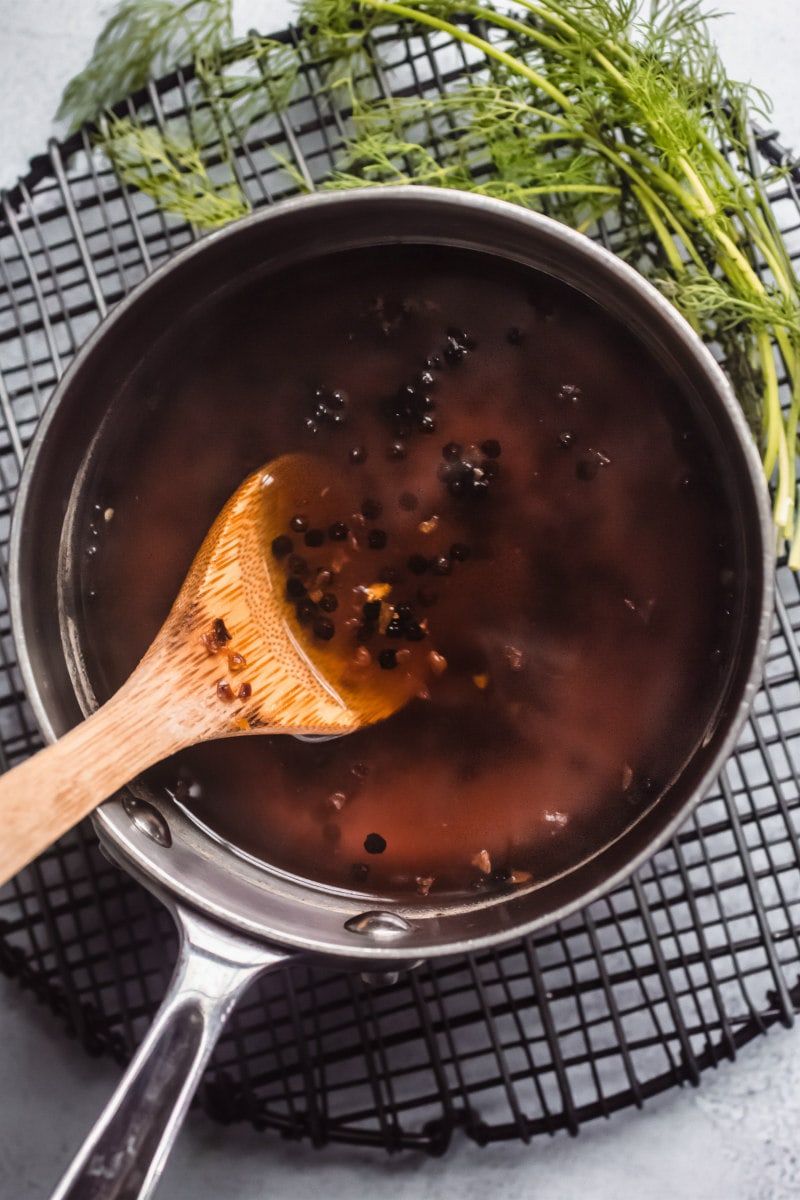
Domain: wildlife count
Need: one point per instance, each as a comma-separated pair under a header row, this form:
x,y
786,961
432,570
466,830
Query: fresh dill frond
x,y
169,168
141,39
609,113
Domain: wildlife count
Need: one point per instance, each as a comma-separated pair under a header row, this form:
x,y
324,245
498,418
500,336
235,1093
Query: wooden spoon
x,y
230,659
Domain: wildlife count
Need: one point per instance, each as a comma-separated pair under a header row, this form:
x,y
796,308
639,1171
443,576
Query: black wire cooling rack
x,y
697,954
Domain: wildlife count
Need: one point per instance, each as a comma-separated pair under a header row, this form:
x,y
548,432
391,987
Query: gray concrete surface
x,y
736,1138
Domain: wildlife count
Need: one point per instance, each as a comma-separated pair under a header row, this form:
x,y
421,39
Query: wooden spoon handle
x,y
49,793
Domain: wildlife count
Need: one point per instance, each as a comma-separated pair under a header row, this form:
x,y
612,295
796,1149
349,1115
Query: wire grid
x,y
694,956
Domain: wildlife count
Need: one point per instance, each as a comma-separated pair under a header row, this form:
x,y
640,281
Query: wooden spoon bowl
x,y
231,658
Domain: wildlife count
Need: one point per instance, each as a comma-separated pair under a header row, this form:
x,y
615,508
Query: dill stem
x,y
665,238
403,11
777,452
794,551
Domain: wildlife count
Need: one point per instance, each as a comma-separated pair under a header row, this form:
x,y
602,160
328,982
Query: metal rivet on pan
x,y
148,821
379,925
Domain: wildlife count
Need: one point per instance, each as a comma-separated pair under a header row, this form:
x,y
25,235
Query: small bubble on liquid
x,y
570,392
358,454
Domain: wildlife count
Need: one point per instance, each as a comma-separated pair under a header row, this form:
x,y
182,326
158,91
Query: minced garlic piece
x,y
377,591
482,861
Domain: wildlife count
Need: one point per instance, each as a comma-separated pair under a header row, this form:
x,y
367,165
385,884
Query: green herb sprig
x,y
588,110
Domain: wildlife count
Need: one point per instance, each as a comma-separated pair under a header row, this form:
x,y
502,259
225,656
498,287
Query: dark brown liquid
x,y
584,632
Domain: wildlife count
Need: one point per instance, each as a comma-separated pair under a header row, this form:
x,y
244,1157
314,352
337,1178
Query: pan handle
x,y
126,1151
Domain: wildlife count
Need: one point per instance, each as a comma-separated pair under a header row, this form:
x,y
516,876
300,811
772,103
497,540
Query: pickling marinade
x,y
543,529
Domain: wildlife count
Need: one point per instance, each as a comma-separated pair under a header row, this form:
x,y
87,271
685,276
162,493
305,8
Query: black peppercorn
x,y
376,539
220,632
297,566
282,545
371,509
338,531
388,659
306,610
374,843
324,629
314,537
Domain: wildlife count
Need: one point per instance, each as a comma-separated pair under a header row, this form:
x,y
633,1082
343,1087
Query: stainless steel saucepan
x,y
236,917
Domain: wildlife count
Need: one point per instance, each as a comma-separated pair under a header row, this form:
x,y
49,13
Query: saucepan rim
x,y
161,867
